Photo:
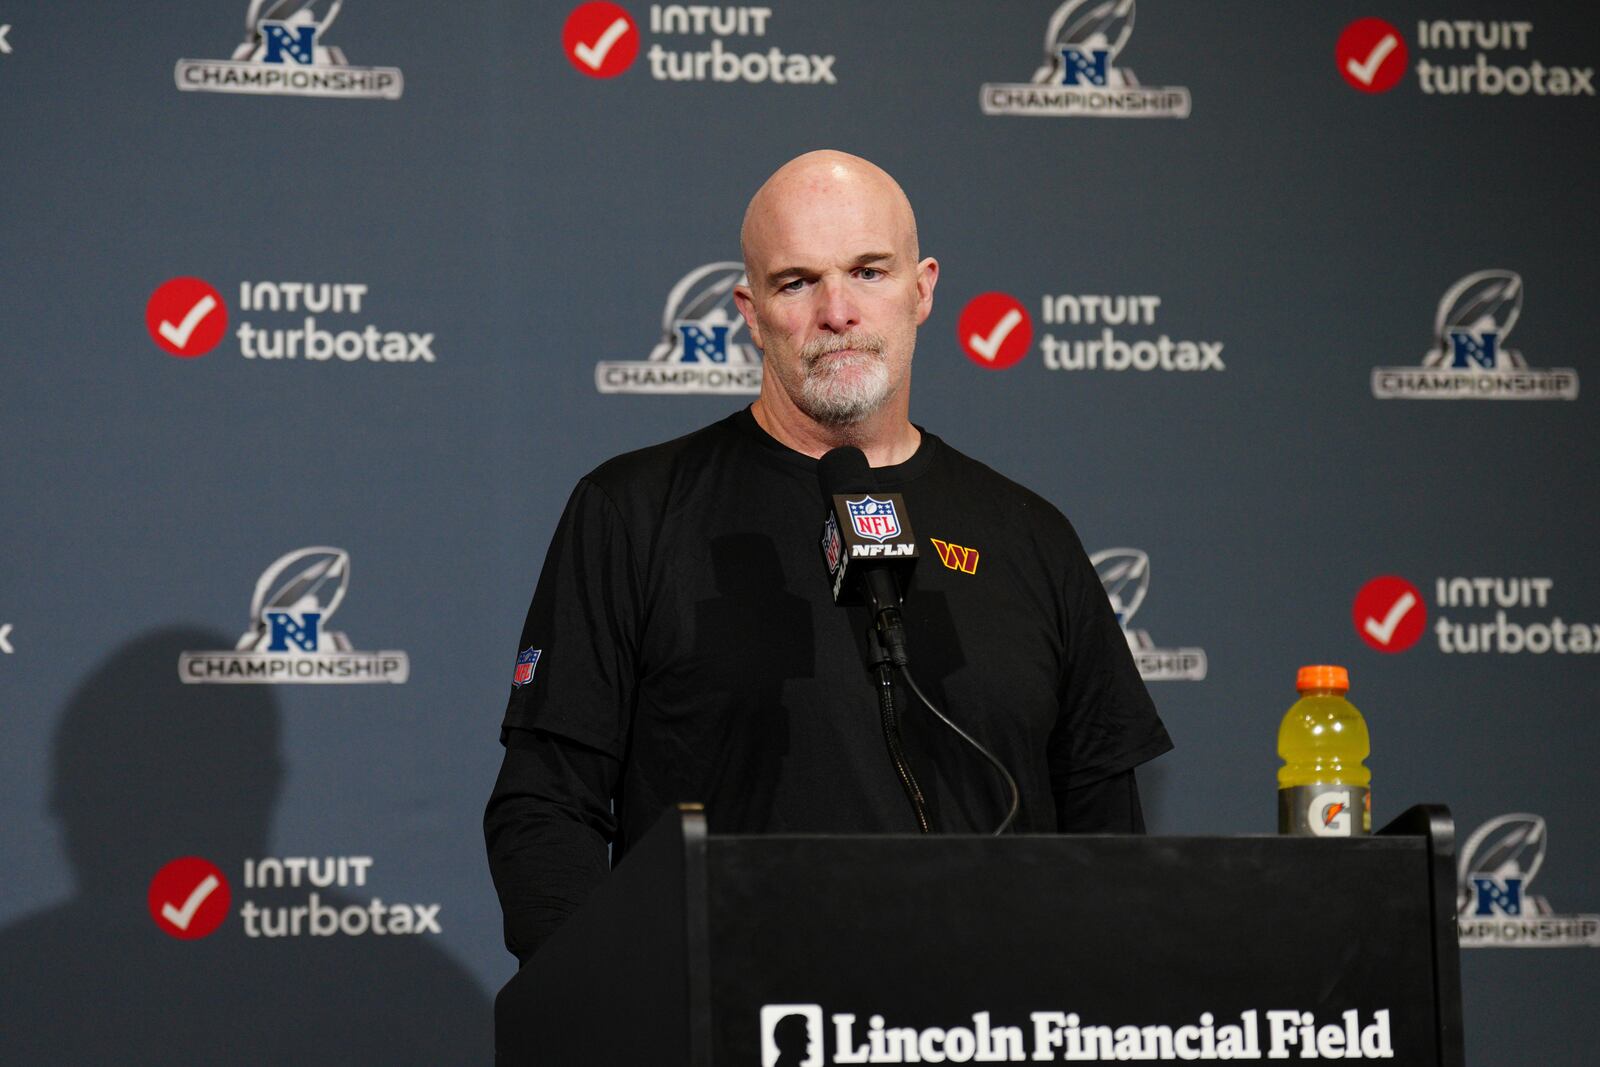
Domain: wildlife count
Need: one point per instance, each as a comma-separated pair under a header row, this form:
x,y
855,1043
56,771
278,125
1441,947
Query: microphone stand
x,y
880,662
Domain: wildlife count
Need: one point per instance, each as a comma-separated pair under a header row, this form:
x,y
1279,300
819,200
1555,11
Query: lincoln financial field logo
x,y
1470,358
1080,76
796,1035
1125,574
701,347
1496,910
289,640
285,53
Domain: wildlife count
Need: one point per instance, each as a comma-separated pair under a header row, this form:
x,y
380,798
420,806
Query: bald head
x,y
824,181
833,294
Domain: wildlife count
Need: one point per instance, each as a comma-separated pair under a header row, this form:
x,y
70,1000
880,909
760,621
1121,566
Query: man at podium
x,y
683,643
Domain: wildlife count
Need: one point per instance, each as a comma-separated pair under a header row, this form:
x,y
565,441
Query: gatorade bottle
x,y
1322,785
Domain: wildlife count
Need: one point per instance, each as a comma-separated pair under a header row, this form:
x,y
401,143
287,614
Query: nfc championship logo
x,y
289,640
285,53
700,350
1080,77
791,1035
1125,574
1494,908
1469,359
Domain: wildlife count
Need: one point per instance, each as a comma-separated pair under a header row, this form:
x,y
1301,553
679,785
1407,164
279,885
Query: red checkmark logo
x,y
1389,614
600,39
186,317
189,898
994,330
1371,55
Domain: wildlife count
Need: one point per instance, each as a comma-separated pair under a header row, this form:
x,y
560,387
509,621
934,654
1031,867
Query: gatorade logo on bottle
x,y
1329,815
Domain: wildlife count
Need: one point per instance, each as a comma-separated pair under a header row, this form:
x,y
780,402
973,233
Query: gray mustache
x,y
824,346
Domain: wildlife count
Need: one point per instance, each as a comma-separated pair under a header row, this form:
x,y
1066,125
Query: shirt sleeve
x,y
547,827
576,669
1109,806
1107,723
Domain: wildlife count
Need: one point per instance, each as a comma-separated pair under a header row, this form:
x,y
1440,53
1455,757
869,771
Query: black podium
x,y
810,950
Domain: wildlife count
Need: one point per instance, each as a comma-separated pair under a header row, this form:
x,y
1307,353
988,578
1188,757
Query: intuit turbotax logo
x,y
1469,359
1108,333
602,40
701,347
285,53
1080,77
1389,616
1495,910
187,318
1125,574
288,640
1372,54
189,899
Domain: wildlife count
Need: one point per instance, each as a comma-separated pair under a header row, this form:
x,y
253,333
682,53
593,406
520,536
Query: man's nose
x,y
836,310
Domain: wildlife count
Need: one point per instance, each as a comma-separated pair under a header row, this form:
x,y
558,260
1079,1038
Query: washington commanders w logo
x,y
956,557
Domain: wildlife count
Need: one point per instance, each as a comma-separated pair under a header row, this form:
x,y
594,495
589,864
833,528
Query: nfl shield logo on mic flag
x,y
527,659
874,519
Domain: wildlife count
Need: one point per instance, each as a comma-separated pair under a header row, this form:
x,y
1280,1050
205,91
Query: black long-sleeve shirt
x,y
683,645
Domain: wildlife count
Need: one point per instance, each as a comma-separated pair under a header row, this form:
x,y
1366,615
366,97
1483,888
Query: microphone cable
x,y
880,660
1011,783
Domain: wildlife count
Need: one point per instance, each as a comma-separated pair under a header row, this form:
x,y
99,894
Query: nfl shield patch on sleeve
x,y
527,660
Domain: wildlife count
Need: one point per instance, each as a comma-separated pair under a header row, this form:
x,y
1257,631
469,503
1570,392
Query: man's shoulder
x,y
648,473
969,475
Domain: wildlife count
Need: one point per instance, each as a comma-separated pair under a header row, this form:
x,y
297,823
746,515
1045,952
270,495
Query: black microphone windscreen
x,y
844,470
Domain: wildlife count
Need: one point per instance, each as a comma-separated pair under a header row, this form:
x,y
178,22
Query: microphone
x,y
867,543
870,551
866,539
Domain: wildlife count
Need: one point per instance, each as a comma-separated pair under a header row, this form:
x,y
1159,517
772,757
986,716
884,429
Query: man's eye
x,y
869,274
792,286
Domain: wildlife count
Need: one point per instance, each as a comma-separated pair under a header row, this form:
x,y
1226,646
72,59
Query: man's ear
x,y
746,301
927,278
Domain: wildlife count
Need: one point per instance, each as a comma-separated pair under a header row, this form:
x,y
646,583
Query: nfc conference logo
x,y
1469,359
1125,574
1495,910
284,54
288,640
699,350
1079,78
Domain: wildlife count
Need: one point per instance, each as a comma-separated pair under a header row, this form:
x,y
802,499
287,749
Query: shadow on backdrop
x,y
145,770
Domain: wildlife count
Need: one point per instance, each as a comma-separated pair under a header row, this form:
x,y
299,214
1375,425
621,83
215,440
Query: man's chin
x,y
836,406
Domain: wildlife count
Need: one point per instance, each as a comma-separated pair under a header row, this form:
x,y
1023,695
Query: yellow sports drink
x,y
1323,784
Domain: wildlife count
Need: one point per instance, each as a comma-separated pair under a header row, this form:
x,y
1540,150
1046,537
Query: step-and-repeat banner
x,y
315,310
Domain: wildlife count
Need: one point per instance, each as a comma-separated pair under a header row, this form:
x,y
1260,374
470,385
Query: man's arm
x,y
547,827
1109,806
1108,723
549,818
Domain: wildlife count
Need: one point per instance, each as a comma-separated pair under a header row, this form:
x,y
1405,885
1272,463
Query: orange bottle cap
x,y
1323,676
